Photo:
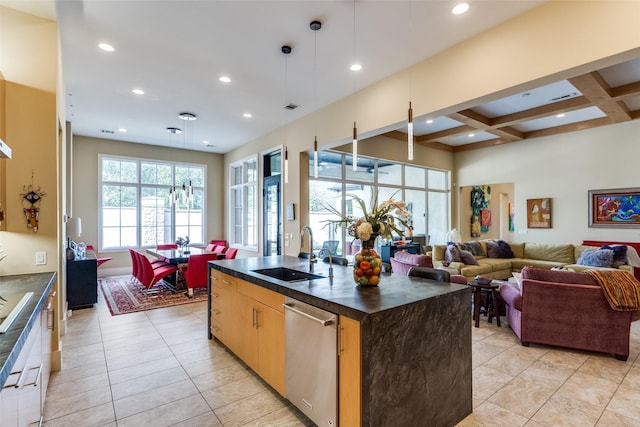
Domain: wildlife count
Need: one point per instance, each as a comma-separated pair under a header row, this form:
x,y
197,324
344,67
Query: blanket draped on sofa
x,y
621,289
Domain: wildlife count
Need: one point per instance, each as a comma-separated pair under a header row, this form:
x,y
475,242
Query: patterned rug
x,y
122,296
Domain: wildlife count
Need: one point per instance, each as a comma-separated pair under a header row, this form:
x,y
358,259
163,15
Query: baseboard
x,y
116,271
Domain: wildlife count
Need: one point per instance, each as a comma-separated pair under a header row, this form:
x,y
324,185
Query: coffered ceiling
x,y
604,97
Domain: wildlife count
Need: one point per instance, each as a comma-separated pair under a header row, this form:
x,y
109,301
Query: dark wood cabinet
x,y
82,281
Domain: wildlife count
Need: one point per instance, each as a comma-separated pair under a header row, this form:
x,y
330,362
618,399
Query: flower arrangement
x,y
390,216
182,243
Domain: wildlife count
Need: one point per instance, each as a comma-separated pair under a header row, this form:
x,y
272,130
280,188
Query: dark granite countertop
x,y
340,295
12,341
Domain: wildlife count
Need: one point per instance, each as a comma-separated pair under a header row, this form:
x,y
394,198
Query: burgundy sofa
x,y
403,261
566,309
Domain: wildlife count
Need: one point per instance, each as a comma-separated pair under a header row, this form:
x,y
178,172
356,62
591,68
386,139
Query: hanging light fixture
x,y
173,195
410,112
315,26
354,154
286,50
187,189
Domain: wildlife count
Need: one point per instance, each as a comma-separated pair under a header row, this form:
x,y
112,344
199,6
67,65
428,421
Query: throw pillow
x,y
619,254
474,247
499,249
468,258
452,254
596,258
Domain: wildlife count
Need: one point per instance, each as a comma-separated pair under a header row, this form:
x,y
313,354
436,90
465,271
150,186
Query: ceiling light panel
x,y
553,121
533,98
421,127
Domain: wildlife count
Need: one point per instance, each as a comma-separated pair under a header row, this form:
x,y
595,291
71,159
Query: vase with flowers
x,y
378,219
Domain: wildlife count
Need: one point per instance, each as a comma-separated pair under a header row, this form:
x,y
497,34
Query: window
x,y
139,207
425,190
244,203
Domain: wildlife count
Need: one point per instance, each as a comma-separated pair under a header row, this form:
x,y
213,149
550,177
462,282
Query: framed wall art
x,y
616,208
539,213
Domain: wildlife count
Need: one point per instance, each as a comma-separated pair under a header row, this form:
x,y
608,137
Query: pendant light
x,y
315,26
410,112
187,190
286,50
355,67
173,194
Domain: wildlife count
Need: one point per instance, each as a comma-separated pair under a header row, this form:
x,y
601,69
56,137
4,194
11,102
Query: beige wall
x,y
564,168
501,194
85,203
521,54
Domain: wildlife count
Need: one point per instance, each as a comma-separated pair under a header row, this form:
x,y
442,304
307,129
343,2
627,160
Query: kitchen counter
x,y
339,295
12,341
415,337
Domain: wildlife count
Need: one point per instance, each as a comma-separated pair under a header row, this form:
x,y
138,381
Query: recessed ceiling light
x,y
106,47
356,67
561,115
123,130
225,79
247,115
471,135
429,121
460,8
205,142
138,91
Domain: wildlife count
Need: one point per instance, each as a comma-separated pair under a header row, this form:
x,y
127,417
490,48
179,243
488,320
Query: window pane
x,y
415,177
154,173
390,173
323,196
329,165
156,217
252,171
236,175
129,171
437,180
252,215
416,204
437,218
365,170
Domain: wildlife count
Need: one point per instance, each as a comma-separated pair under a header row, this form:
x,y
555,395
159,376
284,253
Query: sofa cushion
x,y
558,276
562,253
452,254
402,261
499,249
517,249
596,258
497,263
467,258
518,264
475,247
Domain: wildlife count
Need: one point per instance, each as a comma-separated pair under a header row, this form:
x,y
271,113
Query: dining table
x,y
177,257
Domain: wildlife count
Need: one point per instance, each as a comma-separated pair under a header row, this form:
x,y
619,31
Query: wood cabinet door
x,y
350,373
247,344
271,350
223,309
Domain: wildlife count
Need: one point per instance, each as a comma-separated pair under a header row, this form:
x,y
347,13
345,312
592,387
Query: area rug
x,y
122,296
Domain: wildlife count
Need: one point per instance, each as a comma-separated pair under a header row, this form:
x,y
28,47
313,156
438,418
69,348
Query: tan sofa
x,y
540,255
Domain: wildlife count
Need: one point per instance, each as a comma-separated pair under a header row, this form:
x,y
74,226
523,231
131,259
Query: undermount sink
x,y
287,274
10,307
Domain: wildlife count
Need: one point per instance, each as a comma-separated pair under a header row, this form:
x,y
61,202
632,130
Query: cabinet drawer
x,y
265,296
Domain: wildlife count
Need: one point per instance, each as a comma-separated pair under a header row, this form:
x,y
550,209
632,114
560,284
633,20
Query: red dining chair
x,y
222,243
196,273
165,246
100,261
153,274
134,265
230,253
210,247
219,249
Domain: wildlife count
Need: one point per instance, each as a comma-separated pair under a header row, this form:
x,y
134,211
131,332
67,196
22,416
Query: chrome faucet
x,y
312,257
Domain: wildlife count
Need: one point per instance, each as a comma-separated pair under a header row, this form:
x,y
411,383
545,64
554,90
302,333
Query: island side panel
x,y
416,363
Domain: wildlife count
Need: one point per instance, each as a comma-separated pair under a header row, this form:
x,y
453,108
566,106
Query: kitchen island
x,y
405,345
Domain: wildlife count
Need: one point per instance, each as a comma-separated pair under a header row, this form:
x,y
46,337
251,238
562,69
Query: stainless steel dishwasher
x,y
312,361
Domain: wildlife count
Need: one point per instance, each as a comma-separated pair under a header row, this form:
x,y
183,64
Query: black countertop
x,y
339,295
12,341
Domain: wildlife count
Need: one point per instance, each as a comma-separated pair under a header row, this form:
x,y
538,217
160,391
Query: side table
x,y
491,302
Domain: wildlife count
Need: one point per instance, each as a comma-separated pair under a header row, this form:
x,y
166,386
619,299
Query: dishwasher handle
x,y
323,322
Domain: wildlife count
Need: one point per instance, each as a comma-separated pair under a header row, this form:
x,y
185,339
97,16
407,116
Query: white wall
x,y
563,167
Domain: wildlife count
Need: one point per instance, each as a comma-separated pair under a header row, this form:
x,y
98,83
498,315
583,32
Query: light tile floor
x,y
158,368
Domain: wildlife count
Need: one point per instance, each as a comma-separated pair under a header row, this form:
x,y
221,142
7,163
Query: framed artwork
x,y
617,208
539,213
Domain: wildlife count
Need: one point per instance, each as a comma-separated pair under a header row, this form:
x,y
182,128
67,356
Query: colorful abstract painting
x,y
614,208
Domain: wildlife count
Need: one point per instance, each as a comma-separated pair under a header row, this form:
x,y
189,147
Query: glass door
x,y
272,244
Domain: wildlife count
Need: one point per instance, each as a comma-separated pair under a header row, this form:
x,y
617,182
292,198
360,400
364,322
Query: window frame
x,y
248,232
139,189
